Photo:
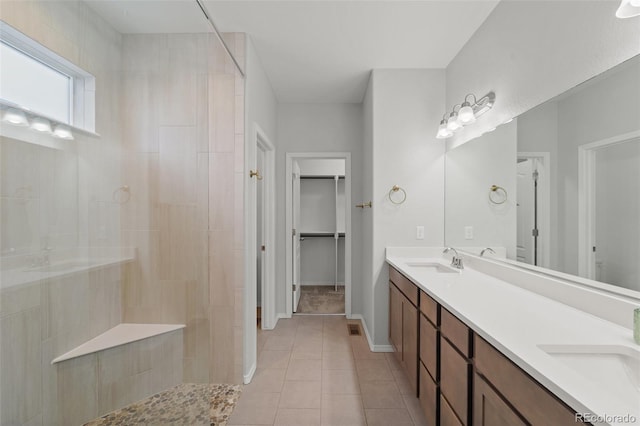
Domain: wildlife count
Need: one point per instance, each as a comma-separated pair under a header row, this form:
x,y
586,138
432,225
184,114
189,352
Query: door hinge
x,y
293,232
295,287
535,232
536,175
262,247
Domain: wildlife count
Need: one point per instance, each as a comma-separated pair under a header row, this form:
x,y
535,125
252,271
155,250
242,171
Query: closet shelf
x,y
320,177
320,234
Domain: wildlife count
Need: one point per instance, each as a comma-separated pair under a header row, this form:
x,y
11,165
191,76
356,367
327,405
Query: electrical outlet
x,y
468,232
419,232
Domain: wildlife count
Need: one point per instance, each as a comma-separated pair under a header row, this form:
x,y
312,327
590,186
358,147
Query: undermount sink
x,y
615,367
434,267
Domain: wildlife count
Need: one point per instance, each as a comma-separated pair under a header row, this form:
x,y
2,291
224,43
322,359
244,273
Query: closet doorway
x,y
318,196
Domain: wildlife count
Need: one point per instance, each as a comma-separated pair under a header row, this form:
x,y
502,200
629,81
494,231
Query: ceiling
x,y
320,50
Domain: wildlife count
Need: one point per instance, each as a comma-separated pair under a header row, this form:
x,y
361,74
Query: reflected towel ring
x,y
497,194
124,198
395,189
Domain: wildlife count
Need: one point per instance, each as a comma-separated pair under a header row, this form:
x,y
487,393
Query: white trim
x,y
290,156
587,201
257,140
372,347
248,376
545,207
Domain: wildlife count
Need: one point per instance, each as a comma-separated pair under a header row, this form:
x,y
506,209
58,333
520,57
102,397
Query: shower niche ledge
x,y
121,334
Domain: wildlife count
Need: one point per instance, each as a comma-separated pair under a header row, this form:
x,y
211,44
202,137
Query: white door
x,y
525,211
295,234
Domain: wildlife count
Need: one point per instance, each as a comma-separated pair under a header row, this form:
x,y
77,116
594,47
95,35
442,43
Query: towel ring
x,y
395,189
124,198
497,194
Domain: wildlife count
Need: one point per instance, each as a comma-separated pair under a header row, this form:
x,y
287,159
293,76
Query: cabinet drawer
x,y
429,346
447,416
489,409
519,388
408,288
429,307
428,396
455,374
456,331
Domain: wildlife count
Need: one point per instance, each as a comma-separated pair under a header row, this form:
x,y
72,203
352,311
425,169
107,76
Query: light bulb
x,y
443,132
452,122
15,117
466,115
62,132
41,124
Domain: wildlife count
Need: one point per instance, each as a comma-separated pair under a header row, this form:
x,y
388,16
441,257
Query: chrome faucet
x,y
456,260
489,249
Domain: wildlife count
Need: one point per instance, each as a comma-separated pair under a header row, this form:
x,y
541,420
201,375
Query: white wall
x,y
366,223
618,214
406,106
321,167
471,170
530,51
260,110
320,128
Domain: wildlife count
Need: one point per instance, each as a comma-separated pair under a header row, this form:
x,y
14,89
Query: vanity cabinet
x,y
403,324
461,379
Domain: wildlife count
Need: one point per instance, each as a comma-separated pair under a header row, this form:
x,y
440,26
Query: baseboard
x,y
249,376
372,347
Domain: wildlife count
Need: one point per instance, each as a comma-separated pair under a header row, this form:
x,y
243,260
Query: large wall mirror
x,y
559,186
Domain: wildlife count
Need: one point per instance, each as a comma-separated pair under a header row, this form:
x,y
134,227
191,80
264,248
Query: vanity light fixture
x,y
41,125
15,117
628,9
63,132
466,113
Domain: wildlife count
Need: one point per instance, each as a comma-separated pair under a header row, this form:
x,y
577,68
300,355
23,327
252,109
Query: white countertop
x,y
516,321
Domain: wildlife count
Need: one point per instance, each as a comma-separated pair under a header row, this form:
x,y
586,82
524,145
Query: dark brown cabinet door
x,y
410,342
428,397
395,319
489,409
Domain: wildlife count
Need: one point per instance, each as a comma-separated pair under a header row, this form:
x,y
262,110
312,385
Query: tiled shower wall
x,y
183,121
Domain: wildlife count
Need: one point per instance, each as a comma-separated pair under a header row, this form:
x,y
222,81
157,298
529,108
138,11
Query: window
x,y
33,85
43,84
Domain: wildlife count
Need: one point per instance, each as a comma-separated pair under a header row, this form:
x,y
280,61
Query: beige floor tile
x,y
301,394
255,409
338,361
306,355
298,417
373,370
336,344
388,417
266,380
403,382
340,382
393,361
361,349
384,394
304,369
415,410
342,410
307,344
278,343
273,359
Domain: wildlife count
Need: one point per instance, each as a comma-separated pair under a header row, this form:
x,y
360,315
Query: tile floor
x,y
311,372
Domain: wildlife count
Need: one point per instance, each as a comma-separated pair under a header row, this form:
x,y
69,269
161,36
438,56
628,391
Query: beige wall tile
x,y
221,191
77,391
177,242
221,344
21,366
221,113
178,165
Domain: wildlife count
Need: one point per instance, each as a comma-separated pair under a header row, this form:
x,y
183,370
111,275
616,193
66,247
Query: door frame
x,y
290,156
544,212
587,200
258,141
